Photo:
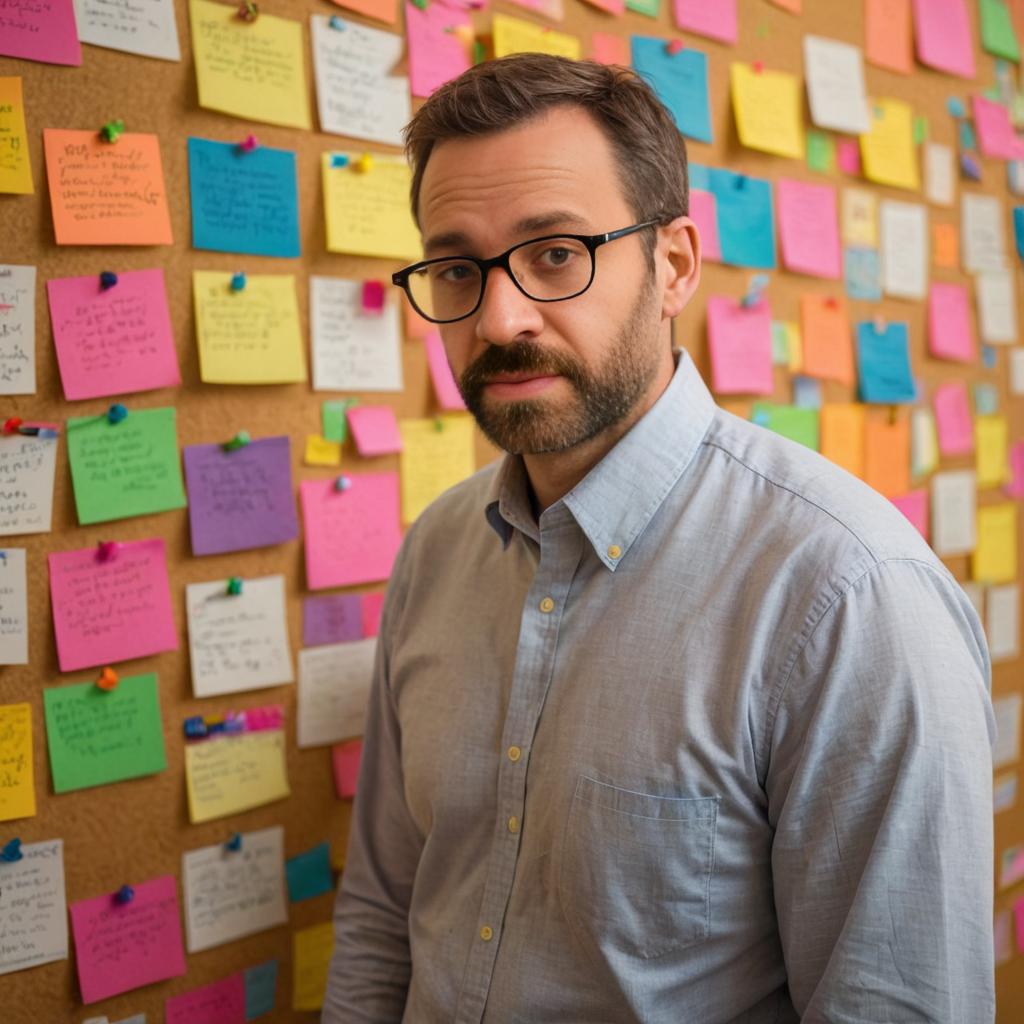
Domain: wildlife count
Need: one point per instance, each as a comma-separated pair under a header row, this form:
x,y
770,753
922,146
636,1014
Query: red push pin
x,y
675,46
11,425
107,680
758,67
248,144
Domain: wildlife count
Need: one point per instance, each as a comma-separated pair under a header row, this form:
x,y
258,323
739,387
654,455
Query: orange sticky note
x,y
610,49
415,325
887,453
945,246
842,436
887,35
106,193
382,10
828,342
793,6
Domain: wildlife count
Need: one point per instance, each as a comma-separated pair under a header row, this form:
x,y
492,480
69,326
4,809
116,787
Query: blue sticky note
x,y
988,357
244,202
746,223
680,81
1018,229
863,274
986,399
883,362
309,873
700,177
806,393
260,989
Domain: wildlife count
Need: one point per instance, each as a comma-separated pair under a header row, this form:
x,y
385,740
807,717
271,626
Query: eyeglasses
x,y
547,269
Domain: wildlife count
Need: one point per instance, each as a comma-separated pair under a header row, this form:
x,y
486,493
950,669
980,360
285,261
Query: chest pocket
x,y
635,873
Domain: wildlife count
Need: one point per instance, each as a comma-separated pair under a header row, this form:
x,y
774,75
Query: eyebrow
x,y
538,222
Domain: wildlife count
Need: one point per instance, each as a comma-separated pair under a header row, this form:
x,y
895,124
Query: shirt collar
x,y
616,500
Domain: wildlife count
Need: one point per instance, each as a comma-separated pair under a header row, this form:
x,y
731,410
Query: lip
x,y
519,386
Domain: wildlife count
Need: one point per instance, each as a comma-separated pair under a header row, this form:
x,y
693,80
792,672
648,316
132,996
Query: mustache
x,y
519,357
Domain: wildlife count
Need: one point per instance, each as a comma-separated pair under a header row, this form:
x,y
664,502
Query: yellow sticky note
x,y
842,435
513,35
859,217
436,455
887,151
991,437
254,70
311,957
994,559
228,774
15,170
367,211
794,345
321,452
767,109
251,335
17,782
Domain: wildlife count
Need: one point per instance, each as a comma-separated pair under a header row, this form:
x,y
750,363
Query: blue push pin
x,y
755,290
988,357
195,728
124,895
47,433
339,160
117,412
107,280
238,282
337,23
11,852
234,843
343,483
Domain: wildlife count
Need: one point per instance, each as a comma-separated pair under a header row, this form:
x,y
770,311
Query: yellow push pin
x,y
363,164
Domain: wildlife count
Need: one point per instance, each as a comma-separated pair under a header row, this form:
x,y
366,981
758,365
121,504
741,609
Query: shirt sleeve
x,y
880,794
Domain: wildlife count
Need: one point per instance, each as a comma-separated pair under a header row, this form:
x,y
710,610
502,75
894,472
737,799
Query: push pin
x,y
234,843
439,424
373,297
248,10
238,282
234,586
107,680
11,426
248,144
674,46
107,280
48,433
421,4
339,160
105,550
124,895
117,413
758,67
338,24
112,130
195,728
240,440
364,163
755,291
11,851
342,483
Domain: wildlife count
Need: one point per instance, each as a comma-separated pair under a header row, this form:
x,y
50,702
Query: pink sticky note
x,y
352,536
113,610
346,757
371,607
435,55
717,20
809,228
942,33
704,213
223,1002
914,505
116,341
41,31
448,396
374,429
953,419
996,136
1018,917
1015,486
121,946
740,340
848,157
950,332
607,48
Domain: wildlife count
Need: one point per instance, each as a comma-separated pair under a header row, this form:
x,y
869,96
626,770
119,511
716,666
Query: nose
x,y
506,314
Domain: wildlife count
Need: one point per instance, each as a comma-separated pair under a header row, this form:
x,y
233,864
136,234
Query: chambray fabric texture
x,y
751,775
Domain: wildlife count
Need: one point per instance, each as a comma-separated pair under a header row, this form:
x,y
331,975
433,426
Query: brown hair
x,y
500,94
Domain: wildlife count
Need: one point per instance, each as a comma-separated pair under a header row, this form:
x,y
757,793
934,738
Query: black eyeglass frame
x,y
592,242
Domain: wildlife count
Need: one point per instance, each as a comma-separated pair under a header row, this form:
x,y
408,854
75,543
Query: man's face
x,y
542,377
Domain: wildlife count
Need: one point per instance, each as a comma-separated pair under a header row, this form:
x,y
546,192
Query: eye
x,y
556,256
454,273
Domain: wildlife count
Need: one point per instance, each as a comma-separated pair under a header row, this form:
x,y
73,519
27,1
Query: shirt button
x,y
547,605
514,753
614,551
486,934
513,824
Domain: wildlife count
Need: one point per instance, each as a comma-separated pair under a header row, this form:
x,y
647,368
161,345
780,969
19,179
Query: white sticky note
x,y
13,607
1002,606
924,443
976,595
982,238
939,174
1007,714
997,307
356,93
353,349
904,229
835,85
26,484
232,893
238,641
1004,792
145,27
334,686
954,530
33,908
17,330
1017,371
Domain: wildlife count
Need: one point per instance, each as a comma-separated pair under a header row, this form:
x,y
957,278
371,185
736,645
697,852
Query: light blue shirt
x,y
709,743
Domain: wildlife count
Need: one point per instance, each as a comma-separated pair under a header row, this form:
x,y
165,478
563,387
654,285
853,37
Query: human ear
x,y
678,255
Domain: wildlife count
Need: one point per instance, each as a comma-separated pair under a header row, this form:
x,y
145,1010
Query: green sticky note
x,y
795,422
780,344
648,7
821,151
920,129
98,736
997,33
333,424
125,469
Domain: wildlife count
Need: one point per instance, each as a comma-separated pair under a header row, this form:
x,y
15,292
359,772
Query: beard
x,y
602,396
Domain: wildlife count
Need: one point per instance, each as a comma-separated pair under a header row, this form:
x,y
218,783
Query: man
x,y
672,720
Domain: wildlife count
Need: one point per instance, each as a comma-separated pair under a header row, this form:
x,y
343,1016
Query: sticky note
x,y
229,894
382,10
766,105
104,193
939,173
904,230
1002,618
648,8
991,449
986,398
250,336
334,687
842,435
945,246
13,607
309,873
950,330
888,40
680,81
321,452
859,217
835,85
351,536
346,758
367,212
953,515
883,363
113,341
790,421
862,274
436,55
229,774
924,443
104,612
746,224
254,70
996,135
18,791
514,35
914,505
716,21
808,228
997,306
953,422
260,989
607,47
998,35
887,454
887,149
43,32
373,608
739,339
704,213
243,202
848,157
17,330
148,29
827,341
981,223
374,430
445,388
15,166
311,957
96,736
32,907
942,32
994,560
220,1002
1015,484
331,619
26,484
821,152
436,454
1018,230
333,419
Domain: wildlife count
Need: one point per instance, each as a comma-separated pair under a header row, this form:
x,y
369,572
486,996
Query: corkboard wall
x,y
137,830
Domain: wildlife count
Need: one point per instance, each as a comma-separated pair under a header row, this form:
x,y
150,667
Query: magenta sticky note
x,y
448,396
943,37
1015,485
848,157
716,19
40,31
113,341
352,536
953,422
346,757
222,1002
121,946
996,137
704,213
372,606
914,505
331,619
437,52
950,329
740,340
809,228
114,609
374,429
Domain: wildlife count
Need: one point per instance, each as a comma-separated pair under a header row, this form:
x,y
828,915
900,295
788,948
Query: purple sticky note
x,y
331,619
222,1002
448,396
40,31
240,499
